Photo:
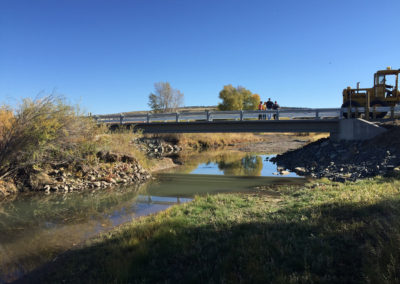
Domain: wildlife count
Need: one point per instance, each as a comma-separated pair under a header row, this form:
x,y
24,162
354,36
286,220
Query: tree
x,y
165,98
238,98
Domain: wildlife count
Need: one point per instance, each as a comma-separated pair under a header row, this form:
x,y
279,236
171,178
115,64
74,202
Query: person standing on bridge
x,y
264,107
260,107
275,107
270,105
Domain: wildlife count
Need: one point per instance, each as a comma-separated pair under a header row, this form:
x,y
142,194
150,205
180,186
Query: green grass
x,y
322,232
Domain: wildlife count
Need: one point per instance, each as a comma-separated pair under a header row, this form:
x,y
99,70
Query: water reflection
x,y
230,164
35,228
184,185
246,166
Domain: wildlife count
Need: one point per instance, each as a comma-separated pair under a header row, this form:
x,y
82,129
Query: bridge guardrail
x,y
316,113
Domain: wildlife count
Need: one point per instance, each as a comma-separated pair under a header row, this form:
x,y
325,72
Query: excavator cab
x,y
387,83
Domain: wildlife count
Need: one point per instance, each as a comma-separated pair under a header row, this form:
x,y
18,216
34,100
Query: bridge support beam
x,y
304,125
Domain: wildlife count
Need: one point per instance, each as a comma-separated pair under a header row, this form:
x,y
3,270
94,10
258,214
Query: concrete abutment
x,y
356,129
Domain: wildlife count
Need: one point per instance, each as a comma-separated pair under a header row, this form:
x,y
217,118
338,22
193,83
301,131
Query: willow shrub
x,y
43,130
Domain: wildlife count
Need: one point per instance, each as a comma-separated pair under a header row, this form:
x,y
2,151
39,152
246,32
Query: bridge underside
x,y
331,126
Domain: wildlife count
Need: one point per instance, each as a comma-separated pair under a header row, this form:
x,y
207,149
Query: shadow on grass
x,y
330,243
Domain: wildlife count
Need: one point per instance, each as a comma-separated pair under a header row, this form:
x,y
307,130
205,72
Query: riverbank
x,y
48,145
102,170
346,160
321,232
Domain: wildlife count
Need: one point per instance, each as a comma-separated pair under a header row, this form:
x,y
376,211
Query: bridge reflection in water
x,y
187,186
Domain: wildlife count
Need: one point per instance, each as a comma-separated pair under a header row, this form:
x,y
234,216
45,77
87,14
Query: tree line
x,y
167,99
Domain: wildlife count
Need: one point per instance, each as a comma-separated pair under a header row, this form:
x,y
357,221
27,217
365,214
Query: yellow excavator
x,y
385,92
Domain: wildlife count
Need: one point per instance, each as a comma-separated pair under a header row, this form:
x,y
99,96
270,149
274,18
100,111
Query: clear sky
x,y
107,54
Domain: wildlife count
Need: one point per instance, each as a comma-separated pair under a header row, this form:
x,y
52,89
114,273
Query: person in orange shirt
x,y
264,107
260,107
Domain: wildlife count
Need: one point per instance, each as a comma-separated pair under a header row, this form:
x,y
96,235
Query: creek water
x,y
35,228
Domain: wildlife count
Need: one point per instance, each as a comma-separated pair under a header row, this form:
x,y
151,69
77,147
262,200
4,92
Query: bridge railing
x,y
317,113
374,112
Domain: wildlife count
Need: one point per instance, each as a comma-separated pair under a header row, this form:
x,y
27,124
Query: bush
x,y
43,130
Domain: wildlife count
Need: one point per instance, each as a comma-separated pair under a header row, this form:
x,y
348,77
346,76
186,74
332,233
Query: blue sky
x,y
106,55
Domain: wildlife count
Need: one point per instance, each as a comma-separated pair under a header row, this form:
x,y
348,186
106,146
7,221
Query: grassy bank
x,y
320,232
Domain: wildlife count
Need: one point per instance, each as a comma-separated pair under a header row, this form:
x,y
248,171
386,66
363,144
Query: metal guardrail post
x,y
177,117
317,114
392,112
148,117
208,115
241,115
121,119
366,113
341,114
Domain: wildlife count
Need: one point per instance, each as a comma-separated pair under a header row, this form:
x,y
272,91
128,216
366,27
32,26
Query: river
x,y
35,228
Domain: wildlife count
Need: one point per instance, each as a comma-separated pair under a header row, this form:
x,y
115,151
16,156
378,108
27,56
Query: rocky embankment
x,y
158,148
345,160
110,169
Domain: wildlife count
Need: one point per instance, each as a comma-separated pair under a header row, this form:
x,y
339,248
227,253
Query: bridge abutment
x,y
356,129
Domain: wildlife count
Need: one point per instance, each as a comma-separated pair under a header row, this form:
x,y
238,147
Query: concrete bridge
x,y
286,120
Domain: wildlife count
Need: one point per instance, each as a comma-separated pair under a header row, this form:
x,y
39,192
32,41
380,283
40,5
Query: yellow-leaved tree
x,y
238,98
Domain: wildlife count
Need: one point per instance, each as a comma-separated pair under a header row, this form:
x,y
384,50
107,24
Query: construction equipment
x,y
384,93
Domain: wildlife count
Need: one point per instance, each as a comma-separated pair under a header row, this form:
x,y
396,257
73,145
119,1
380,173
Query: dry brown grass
x,y
208,140
6,120
312,136
122,142
309,136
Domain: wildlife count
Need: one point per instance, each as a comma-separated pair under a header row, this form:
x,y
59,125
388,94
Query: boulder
x,y
108,157
128,159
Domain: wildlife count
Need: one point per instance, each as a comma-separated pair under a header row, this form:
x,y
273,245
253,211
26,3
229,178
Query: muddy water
x,y
35,228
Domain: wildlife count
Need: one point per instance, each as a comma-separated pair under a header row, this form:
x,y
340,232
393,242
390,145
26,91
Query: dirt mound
x,y
391,138
346,160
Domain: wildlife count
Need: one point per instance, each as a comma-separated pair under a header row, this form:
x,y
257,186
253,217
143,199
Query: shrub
x,y
45,129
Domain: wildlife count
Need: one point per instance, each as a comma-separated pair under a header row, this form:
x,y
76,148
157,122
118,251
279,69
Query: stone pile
x,y
345,160
157,148
113,169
